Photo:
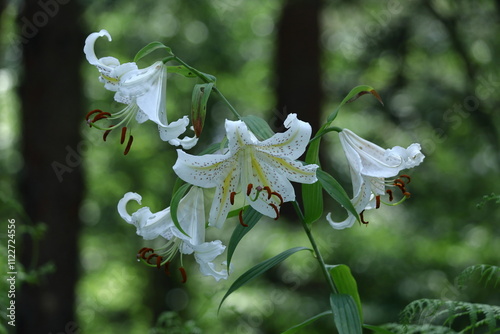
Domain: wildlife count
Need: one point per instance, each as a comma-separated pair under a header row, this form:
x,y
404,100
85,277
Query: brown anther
x,y
129,144
106,133
124,132
404,176
150,257
158,261
100,116
269,192
183,274
389,191
90,113
167,271
377,202
362,218
400,186
142,252
249,189
275,210
279,196
231,197
407,194
240,217
400,181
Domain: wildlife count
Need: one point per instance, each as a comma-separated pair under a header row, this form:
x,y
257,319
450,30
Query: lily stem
x,y
319,257
206,79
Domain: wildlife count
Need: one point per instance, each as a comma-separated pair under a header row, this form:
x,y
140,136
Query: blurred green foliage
x,y
434,65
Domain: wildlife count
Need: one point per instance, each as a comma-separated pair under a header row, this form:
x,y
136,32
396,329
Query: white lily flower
x,y
370,165
191,216
262,170
142,90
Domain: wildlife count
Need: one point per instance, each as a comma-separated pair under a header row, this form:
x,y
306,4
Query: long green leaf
x,y
250,218
346,284
312,194
345,314
295,328
335,190
258,126
150,48
181,70
174,205
259,269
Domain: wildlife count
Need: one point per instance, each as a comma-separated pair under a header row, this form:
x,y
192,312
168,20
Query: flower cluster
x,y
248,169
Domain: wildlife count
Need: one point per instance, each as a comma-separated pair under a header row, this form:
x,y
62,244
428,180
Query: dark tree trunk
x,y
51,184
298,57
298,69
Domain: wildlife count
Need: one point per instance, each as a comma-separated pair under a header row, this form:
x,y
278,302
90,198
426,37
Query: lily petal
x,y
291,143
205,254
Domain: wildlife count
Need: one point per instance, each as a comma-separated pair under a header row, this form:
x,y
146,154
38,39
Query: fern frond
x,y
428,311
418,329
489,273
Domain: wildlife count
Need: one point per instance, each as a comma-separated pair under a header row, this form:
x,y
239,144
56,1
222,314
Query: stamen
x,y
124,132
142,252
276,210
231,198
407,194
279,196
90,113
404,176
269,193
106,133
101,115
167,271
389,191
129,144
158,262
399,181
400,186
249,189
184,275
362,218
377,202
150,257
240,216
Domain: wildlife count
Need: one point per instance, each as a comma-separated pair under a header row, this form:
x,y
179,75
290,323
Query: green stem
x,y
206,79
315,248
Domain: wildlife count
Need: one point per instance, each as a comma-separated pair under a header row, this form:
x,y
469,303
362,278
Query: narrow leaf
x,y
353,95
181,70
150,48
295,328
345,314
250,218
312,194
174,205
335,190
346,284
259,127
259,269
